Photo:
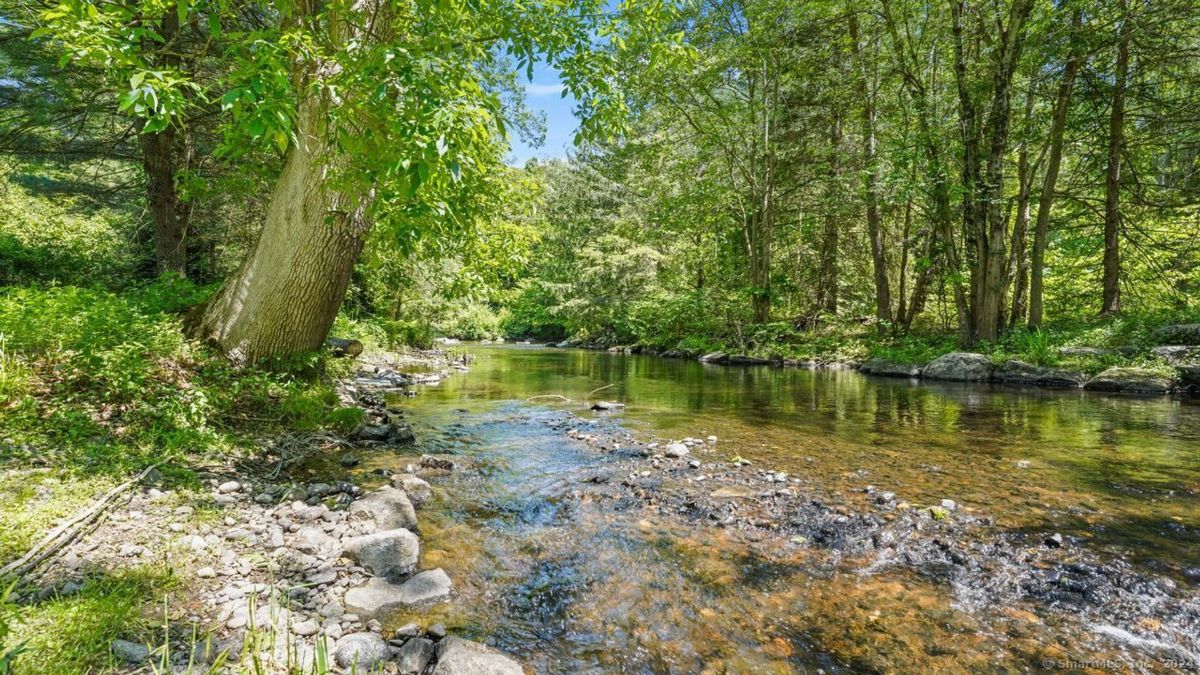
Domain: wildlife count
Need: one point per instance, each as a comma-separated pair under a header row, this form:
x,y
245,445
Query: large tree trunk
x,y
1111,300
883,295
284,298
1041,232
1018,263
168,215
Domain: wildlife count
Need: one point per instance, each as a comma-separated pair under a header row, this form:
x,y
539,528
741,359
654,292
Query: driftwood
x,y
68,531
344,347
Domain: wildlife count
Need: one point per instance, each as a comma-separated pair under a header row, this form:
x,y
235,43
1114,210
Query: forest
x,y
199,197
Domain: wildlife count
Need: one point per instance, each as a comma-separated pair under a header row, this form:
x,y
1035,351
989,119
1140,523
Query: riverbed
x,y
572,567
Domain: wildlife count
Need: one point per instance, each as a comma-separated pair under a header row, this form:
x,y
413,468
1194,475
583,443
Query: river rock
x,y
675,450
1019,372
390,553
744,360
130,652
608,405
361,652
715,357
378,596
457,656
1177,355
229,487
959,367
1189,376
1134,380
389,507
419,492
886,368
414,656
1179,334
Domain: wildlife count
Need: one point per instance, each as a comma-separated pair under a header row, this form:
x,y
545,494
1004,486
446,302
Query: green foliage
x,y
102,381
10,617
470,321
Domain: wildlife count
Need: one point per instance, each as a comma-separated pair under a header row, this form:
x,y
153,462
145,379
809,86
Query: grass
x,y
74,634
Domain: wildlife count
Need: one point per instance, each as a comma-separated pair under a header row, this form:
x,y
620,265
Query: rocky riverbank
x,y
1174,355
1049,582
280,575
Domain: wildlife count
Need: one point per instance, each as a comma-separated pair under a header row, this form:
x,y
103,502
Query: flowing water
x,y
575,580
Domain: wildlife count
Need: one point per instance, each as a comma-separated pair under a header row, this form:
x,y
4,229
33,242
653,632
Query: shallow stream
x,y
572,577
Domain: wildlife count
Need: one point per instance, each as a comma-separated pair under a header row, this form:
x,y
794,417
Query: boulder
x,y
361,652
1189,377
1133,380
885,368
414,656
715,357
389,507
744,360
1020,372
1178,334
1178,355
379,596
390,553
959,367
419,492
457,656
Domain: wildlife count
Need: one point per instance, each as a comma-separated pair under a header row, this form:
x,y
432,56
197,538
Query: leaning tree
x,y
386,113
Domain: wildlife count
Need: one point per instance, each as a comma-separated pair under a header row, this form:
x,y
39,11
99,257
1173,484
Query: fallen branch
x,y
67,532
558,396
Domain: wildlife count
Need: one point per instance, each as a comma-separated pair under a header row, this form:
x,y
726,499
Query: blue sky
x,y
544,94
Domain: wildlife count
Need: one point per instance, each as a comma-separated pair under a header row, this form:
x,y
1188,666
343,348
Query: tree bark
x,y
168,215
1111,299
827,290
1018,263
1041,233
286,295
883,295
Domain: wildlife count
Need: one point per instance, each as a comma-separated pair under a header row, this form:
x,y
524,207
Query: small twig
x,y
589,394
558,396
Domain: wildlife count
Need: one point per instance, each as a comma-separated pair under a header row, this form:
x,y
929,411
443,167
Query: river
x,y
571,579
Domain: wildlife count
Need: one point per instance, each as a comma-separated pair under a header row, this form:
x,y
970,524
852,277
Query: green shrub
x,y
470,321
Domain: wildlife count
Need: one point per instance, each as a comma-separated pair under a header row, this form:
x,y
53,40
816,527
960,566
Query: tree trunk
x,y
883,295
990,266
827,290
1111,300
1018,265
284,298
1041,233
168,215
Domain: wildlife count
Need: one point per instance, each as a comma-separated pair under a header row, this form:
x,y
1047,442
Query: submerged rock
x,y
607,405
1134,380
457,656
959,367
391,553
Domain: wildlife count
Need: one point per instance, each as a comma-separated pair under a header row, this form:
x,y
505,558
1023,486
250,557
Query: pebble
x,y
206,573
1053,541
229,487
437,631
949,504
306,628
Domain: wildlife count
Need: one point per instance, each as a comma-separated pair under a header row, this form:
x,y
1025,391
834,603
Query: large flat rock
x,y
1019,372
379,596
457,656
